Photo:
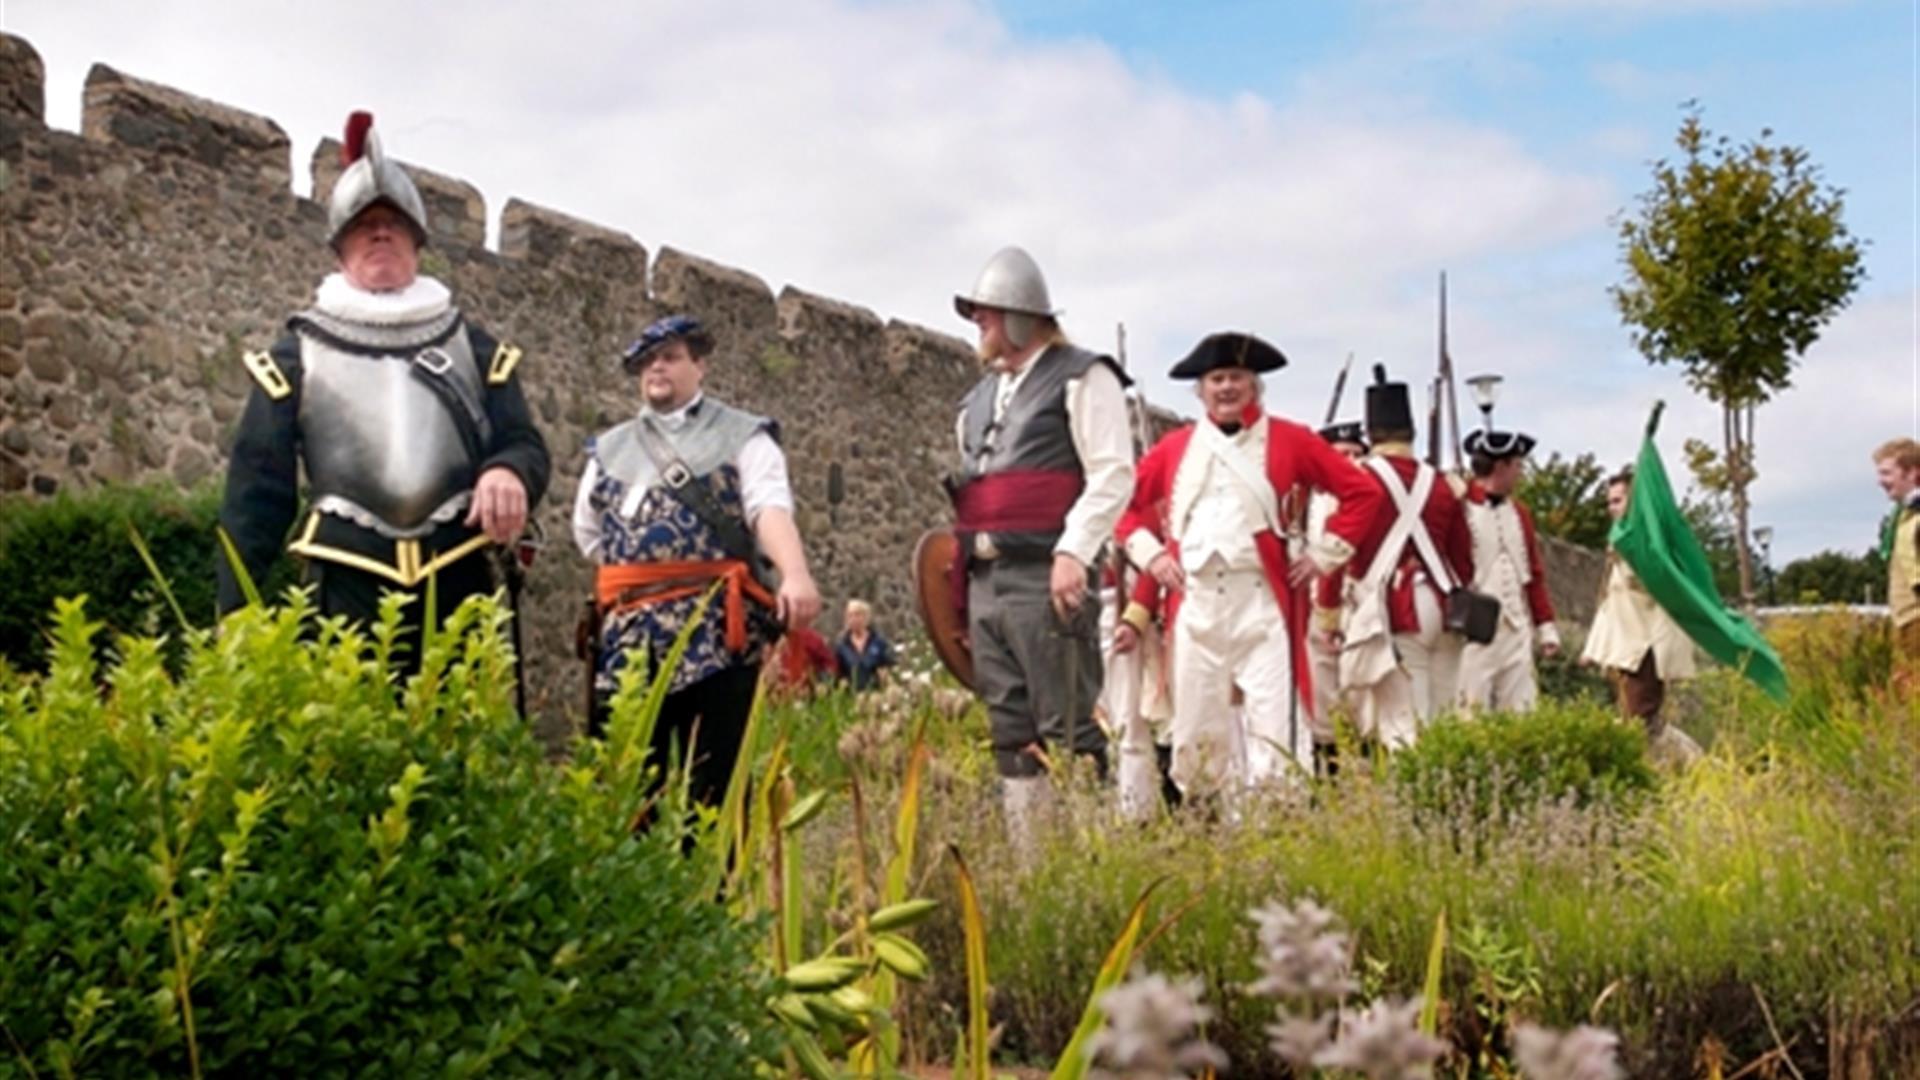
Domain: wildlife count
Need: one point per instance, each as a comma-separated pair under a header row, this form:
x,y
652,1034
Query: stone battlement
x,y
144,255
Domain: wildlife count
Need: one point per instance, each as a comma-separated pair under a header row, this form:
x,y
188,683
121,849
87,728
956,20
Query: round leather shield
x,y
940,609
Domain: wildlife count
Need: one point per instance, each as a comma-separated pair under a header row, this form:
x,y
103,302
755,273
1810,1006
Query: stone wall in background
x,y
143,256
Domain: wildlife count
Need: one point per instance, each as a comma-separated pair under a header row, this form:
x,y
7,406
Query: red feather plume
x,y
354,144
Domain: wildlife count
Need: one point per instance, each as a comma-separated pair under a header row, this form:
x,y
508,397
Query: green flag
x,y
1652,536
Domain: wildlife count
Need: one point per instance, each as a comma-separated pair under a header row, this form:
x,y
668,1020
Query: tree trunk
x,y
1739,473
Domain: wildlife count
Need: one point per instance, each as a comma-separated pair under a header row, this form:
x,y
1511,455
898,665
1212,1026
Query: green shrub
x,y
77,545
1484,767
280,863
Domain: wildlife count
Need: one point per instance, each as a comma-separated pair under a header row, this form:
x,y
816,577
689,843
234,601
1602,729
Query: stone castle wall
x,y
143,256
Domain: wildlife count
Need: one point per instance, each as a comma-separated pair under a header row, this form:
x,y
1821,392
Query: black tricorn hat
x,y
1345,431
1388,406
1228,349
1499,445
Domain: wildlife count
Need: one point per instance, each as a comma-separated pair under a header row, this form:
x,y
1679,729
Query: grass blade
x,y
1436,961
974,930
1073,1060
239,567
160,579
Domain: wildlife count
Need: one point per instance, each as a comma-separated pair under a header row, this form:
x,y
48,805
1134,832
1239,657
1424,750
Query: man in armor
x,y
1046,467
1507,566
1397,657
1217,518
417,442
687,493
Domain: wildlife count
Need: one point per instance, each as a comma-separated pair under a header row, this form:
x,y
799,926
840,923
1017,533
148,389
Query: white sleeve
x,y
763,477
1097,417
586,523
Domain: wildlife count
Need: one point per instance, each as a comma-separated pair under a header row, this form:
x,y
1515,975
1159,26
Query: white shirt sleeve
x,y
763,477
586,523
1097,418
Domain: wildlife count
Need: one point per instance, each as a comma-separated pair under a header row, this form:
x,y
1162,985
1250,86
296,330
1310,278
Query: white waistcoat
x,y
1500,565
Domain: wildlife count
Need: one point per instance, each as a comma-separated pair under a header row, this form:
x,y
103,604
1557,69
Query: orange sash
x,y
632,585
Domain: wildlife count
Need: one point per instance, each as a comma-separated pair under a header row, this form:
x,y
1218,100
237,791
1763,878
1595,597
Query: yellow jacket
x,y
1903,569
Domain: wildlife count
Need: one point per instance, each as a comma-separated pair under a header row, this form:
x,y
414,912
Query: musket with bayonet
x,y
1447,383
1339,389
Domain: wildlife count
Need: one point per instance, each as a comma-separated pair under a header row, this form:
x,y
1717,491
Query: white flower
x,y
1150,1029
1585,1053
1299,1040
1384,1044
1302,956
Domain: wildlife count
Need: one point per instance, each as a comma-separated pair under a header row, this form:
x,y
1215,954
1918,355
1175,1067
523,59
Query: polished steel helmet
x,y
1011,281
367,177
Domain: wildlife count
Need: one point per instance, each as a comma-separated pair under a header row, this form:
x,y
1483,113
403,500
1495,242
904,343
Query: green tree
x,y
1735,260
1833,577
1568,497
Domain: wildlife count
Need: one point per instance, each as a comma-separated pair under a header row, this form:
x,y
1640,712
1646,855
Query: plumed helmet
x,y
1011,281
662,330
367,177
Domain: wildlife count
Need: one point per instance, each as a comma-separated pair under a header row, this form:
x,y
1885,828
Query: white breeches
x,y
1499,675
1230,632
1394,709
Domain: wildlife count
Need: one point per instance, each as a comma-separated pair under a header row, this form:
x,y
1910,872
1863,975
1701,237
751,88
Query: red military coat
x,y
1298,460
1446,522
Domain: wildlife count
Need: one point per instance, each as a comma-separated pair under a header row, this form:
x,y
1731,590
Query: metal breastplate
x,y
382,449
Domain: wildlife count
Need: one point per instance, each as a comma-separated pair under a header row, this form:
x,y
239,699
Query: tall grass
x,y
1768,896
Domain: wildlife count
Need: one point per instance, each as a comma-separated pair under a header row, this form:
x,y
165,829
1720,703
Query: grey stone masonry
x,y
140,259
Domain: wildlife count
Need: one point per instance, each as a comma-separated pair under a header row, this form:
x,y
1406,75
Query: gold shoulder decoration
x,y
272,380
505,358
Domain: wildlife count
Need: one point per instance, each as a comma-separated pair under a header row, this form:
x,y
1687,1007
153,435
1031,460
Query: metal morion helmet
x,y
1010,282
367,177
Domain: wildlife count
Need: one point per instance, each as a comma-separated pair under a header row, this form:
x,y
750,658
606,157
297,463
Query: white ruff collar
x,y
420,301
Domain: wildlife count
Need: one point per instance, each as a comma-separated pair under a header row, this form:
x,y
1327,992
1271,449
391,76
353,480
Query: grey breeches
x,y
1031,670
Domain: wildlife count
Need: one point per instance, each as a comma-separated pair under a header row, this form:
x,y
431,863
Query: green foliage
x,y
1490,765
78,545
1568,497
1785,864
1833,577
1735,261
281,863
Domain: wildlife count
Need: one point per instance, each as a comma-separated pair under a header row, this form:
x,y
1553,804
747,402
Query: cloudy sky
x,y
1302,170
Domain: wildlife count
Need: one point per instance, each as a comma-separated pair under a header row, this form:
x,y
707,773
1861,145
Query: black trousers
x,y
343,590
711,716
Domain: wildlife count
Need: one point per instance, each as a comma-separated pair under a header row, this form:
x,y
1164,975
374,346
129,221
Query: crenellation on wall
x,y
542,237
140,262
23,85
929,355
153,119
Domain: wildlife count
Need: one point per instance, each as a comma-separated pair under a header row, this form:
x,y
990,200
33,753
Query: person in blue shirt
x,y
861,651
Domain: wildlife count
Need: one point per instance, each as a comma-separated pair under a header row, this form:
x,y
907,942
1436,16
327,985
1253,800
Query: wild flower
x,y
1585,1053
1302,957
1152,1030
1384,1043
1299,1040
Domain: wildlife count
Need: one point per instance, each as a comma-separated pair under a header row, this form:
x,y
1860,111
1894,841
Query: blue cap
x,y
662,330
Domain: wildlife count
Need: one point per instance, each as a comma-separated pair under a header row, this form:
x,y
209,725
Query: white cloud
x,y
879,153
